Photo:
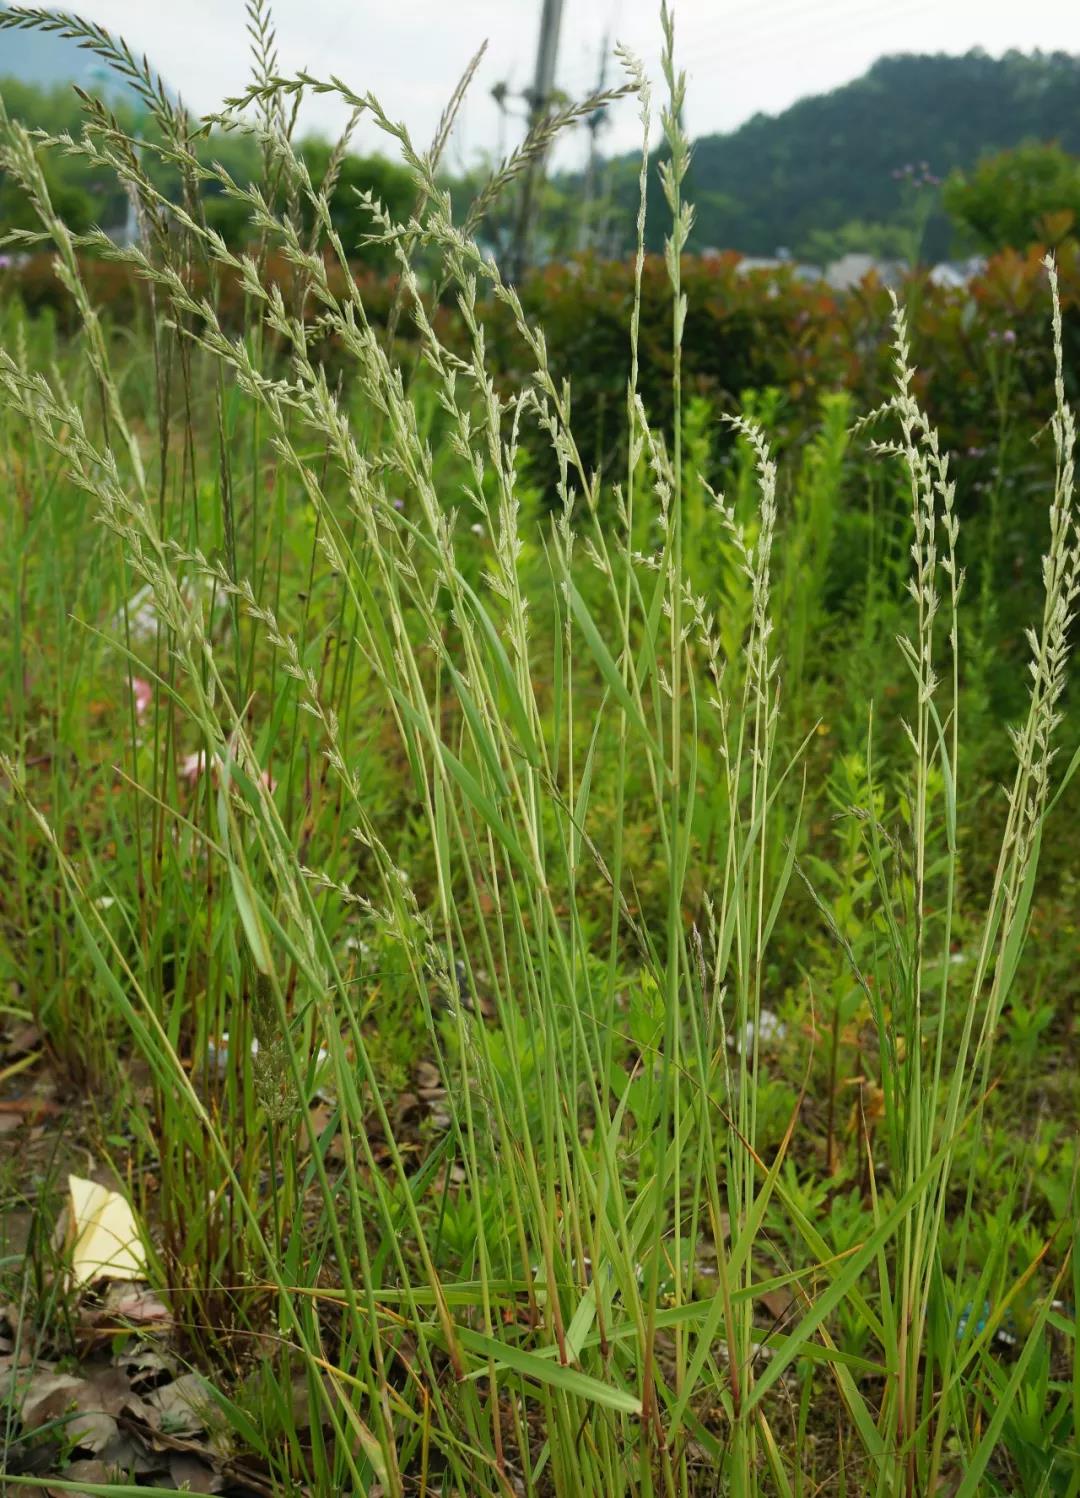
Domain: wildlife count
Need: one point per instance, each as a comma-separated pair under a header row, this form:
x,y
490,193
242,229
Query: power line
x,y
829,22
836,26
784,13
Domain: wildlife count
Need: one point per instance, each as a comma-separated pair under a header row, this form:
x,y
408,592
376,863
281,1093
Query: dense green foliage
x,y
831,174
88,197
767,329
1018,197
84,196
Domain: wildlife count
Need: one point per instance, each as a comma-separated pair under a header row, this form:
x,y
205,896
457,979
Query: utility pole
x,y
539,98
589,234
500,93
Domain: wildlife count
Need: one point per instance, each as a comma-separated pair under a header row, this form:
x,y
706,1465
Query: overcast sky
x,y
742,56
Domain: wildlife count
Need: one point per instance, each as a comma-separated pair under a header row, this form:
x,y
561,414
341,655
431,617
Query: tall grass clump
x,y
407,717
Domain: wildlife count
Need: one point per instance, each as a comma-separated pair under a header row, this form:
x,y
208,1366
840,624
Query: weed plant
x,y
335,745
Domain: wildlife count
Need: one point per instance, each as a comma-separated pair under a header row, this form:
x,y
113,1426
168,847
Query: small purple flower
x,y
399,505
1009,335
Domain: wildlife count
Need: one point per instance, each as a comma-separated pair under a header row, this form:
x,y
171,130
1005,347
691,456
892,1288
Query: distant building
x,y
750,263
130,231
956,274
854,267
801,272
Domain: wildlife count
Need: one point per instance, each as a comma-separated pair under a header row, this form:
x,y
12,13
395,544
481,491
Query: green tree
x,y
1017,197
388,182
83,197
86,197
851,154
885,241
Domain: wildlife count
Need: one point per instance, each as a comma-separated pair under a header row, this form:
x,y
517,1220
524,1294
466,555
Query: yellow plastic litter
x,y
104,1240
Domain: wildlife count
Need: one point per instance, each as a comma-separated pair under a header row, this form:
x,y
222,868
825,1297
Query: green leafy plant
x,y
415,765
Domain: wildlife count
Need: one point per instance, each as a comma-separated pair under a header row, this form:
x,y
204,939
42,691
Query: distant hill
x,y
798,178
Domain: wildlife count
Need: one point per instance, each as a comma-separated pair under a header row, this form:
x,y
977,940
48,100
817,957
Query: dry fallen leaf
x,y
136,1304
181,1405
146,1366
86,1407
90,1470
779,1304
192,1474
23,1039
41,1389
